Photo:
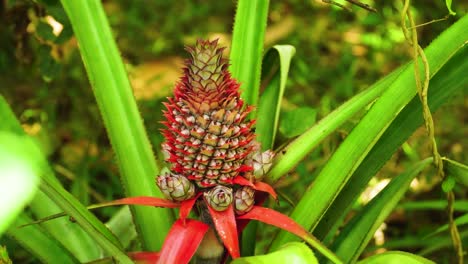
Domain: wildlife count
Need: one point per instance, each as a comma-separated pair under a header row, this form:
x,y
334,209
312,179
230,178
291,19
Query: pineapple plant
x,y
214,163
226,194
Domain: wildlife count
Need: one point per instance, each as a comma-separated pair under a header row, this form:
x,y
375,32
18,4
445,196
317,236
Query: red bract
x,y
274,218
263,187
186,206
225,224
145,257
182,241
186,235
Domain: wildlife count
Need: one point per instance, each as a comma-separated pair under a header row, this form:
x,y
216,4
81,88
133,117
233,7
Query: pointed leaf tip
x,y
282,221
182,241
186,206
264,187
275,218
225,224
144,257
242,181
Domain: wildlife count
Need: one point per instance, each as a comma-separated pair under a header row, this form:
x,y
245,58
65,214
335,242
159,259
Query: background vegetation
x,y
338,54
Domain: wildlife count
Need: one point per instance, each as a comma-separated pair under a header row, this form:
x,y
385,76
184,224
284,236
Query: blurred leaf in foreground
x,y
20,163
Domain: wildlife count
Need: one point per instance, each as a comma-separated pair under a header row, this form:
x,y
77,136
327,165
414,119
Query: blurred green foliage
x,y
338,54
295,122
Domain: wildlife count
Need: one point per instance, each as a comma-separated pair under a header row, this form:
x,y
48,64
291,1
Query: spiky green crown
x,y
208,136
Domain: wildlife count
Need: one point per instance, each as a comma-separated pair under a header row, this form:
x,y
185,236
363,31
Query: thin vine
x,y
422,88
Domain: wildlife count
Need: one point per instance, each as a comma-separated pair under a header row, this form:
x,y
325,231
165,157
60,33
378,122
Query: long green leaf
x,y
365,135
448,3
246,62
121,117
359,231
301,146
396,257
294,252
459,221
51,187
270,100
36,240
429,244
409,242
76,240
247,46
450,79
82,216
121,225
458,206
456,169
443,242
267,116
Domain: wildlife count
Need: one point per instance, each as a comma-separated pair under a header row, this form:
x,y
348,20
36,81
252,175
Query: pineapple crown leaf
x,y
206,82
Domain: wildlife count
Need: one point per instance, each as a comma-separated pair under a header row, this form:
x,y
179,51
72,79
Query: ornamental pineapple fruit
x,y
208,136
209,140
